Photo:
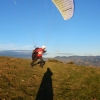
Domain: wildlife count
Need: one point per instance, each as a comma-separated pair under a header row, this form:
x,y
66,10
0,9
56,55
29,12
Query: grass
x,y
56,81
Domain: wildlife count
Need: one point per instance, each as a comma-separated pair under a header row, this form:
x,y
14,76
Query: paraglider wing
x,y
66,8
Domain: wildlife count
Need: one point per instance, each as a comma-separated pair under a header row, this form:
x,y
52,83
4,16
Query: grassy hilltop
x,y
56,81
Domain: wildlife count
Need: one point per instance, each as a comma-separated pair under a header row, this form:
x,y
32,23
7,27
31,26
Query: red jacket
x,y
40,51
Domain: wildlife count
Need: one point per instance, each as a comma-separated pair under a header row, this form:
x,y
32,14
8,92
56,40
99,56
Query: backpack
x,y
36,49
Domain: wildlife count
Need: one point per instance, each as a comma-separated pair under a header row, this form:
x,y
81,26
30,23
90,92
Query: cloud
x,y
88,55
57,51
12,46
18,53
66,54
51,55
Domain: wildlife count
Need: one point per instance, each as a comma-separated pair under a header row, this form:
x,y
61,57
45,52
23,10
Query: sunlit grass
x,y
56,81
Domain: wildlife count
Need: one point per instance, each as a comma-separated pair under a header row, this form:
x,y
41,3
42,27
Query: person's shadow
x,y
45,91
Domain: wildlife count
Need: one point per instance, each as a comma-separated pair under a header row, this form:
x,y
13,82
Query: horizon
x,y
28,53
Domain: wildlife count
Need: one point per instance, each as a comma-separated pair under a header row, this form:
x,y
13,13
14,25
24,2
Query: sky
x,y
25,24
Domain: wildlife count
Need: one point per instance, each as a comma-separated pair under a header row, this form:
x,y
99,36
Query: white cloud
x,y
12,46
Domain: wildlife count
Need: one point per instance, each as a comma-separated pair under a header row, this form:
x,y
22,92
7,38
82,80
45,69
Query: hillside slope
x,y
56,81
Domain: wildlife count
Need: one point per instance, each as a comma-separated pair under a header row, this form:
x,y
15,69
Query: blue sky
x,y
25,23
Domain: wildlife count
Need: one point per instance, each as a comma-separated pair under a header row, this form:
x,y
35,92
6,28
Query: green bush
x,y
54,60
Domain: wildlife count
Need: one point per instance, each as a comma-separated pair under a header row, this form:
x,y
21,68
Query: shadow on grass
x,y
45,91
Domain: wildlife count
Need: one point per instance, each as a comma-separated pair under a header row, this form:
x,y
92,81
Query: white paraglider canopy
x,y
66,8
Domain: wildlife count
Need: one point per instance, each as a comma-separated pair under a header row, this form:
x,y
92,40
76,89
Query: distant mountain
x,y
17,53
81,60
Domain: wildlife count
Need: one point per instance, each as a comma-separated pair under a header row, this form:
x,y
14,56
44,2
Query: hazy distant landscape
x,y
17,53
81,60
